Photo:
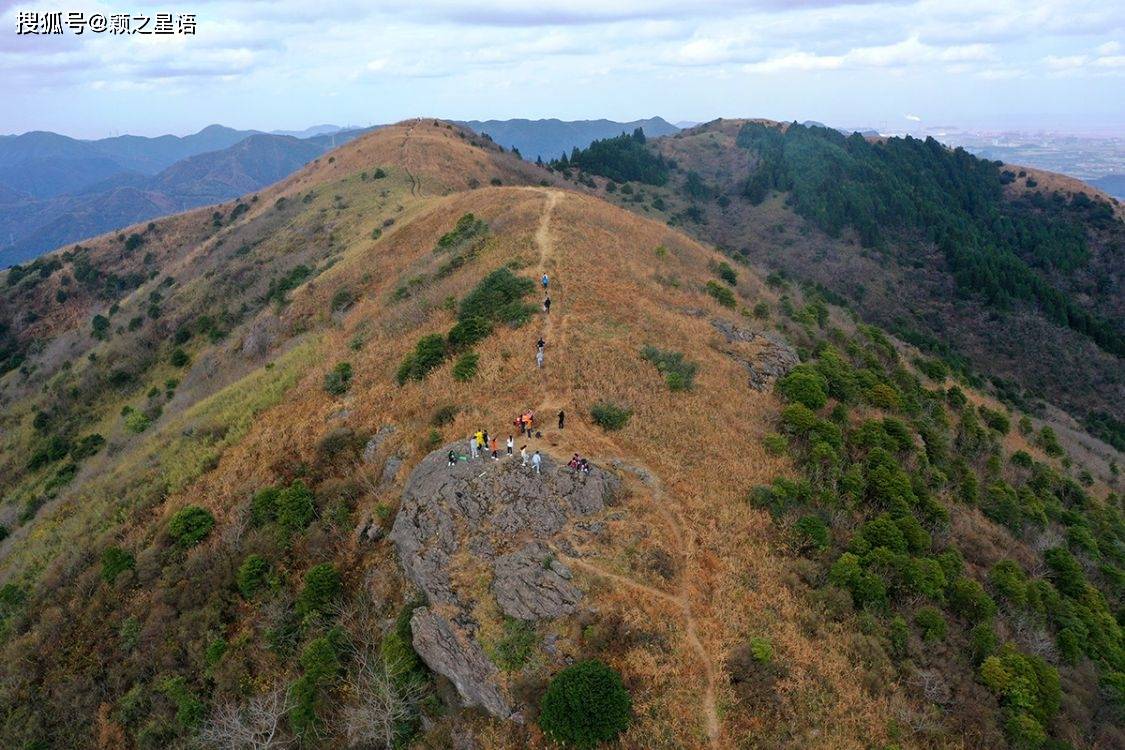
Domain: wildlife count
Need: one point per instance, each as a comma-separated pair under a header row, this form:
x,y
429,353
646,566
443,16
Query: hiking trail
x,y
415,184
557,396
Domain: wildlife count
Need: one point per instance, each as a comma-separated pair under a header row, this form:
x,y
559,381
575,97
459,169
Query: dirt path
x,y
415,185
556,395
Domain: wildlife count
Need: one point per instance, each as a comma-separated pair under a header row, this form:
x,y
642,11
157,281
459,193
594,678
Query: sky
x,y
1028,65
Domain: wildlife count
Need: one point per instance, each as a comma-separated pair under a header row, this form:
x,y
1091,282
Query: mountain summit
x,y
240,499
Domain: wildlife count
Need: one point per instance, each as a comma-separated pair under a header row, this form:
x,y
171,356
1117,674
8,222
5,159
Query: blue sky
x,y
271,64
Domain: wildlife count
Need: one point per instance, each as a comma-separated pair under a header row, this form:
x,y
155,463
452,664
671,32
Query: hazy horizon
x,y
997,66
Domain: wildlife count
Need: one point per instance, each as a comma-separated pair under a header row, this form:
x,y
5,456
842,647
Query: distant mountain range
x,y
55,189
549,139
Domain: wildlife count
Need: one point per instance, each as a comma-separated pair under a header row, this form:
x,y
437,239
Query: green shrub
x,y
252,575
804,385
1065,572
968,599
899,636
1009,581
610,416
428,354
190,525
761,650
761,311
1028,689
722,294
1022,459
934,369
322,587
931,623
726,273
468,228
338,380
775,444
996,420
1049,442
263,506
179,358
467,332
515,646
189,709
811,532
956,397
982,641
884,396
585,704
498,298
115,561
137,421
87,446
342,300
465,368
678,373
295,509
321,664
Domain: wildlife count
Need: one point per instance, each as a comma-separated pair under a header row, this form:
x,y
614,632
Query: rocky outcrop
x,y
768,357
505,519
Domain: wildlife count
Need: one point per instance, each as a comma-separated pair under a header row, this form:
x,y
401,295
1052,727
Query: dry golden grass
x,y
688,459
702,447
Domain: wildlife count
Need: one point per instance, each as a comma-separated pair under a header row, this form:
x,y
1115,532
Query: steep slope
x,y
282,373
1018,268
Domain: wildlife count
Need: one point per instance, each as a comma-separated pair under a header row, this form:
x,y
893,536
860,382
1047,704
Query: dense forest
x,y
622,159
995,249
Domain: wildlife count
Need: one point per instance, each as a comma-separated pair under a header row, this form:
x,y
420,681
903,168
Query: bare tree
x,y
254,725
383,700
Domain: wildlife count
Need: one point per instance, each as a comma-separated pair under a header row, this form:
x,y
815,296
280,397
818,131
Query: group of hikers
x,y
481,444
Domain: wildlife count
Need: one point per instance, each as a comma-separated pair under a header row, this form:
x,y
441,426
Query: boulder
x,y
507,519
770,357
447,650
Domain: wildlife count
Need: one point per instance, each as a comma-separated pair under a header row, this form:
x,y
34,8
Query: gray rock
x,y
508,519
448,650
371,449
773,359
527,587
390,471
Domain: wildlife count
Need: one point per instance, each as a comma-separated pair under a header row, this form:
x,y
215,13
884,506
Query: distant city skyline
x,y
1040,65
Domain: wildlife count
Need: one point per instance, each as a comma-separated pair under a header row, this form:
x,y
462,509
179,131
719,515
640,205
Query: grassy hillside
x,y
204,447
1008,273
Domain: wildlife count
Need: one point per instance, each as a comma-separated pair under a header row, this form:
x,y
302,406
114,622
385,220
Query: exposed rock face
x,y
772,358
505,519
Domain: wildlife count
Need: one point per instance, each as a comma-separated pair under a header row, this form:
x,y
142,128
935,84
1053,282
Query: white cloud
x,y
913,118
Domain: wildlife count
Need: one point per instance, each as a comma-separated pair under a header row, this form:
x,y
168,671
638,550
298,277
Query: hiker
x,y
528,420
573,462
495,449
583,466
472,446
452,457
562,418
511,445
479,443
544,280
523,455
484,443
547,304
539,359
535,461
